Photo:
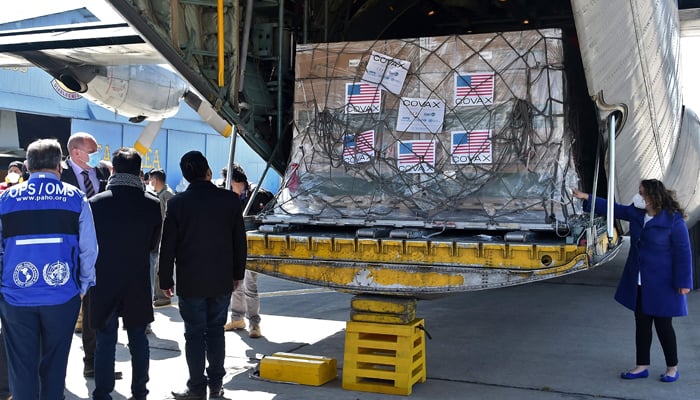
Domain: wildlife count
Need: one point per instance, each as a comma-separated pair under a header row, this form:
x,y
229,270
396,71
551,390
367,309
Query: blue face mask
x,y
93,159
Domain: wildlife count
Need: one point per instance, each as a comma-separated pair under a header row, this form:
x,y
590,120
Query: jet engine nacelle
x,y
138,92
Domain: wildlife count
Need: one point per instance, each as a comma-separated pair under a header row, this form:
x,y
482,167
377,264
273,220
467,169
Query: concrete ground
x,y
560,339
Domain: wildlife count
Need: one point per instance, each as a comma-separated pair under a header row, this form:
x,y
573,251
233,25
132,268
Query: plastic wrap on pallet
x,y
485,140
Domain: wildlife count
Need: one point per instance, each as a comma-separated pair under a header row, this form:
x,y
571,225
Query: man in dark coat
x,y
128,223
84,169
204,234
83,155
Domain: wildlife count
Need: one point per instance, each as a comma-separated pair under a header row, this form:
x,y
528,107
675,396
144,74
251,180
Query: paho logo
x,y
25,274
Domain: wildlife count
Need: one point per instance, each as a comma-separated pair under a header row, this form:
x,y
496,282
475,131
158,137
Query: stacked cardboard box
x,y
523,161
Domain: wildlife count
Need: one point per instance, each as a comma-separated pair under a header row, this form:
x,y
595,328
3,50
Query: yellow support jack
x,y
384,357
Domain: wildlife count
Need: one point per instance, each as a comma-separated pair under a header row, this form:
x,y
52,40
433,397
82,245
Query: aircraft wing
x,y
78,44
73,52
99,55
110,41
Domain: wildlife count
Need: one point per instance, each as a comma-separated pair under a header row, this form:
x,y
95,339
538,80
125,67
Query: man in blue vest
x,y
48,265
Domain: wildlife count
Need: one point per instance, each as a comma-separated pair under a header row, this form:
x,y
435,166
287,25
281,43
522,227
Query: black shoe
x,y
216,393
188,395
161,303
89,372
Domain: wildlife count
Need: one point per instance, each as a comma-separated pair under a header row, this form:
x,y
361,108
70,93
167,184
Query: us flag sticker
x,y
473,89
362,98
416,156
471,147
358,148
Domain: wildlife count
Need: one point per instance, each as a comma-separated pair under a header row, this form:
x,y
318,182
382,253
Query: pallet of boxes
x,y
464,128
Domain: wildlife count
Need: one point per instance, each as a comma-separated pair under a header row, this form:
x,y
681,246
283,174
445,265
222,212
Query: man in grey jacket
x,y
156,179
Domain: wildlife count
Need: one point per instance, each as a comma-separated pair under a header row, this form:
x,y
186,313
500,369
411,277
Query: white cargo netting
x,y
459,131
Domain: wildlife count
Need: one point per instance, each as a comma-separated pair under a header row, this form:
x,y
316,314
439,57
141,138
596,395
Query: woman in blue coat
x,y
658,271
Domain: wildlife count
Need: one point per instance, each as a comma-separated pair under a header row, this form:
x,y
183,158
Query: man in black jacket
x,y
204,235
127,222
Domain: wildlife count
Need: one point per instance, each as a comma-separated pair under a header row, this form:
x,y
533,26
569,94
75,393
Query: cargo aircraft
x,y
428,147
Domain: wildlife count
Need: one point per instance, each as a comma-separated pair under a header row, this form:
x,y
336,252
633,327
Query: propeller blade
x,y
208,114
147,136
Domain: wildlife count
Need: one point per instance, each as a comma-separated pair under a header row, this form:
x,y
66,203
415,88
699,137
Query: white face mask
x,y
639,202
13,178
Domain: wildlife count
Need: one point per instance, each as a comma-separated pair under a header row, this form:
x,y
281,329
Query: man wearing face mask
x,y
161,189
85,159
49,252
84,168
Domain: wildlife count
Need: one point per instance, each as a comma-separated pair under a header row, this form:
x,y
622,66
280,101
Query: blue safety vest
x,y
40,235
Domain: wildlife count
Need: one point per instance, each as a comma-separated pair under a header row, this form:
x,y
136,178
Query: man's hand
x,y
236,284
169,293
684,291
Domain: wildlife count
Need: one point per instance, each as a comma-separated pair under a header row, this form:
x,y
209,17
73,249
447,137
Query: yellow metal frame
x,y
410,266
428,252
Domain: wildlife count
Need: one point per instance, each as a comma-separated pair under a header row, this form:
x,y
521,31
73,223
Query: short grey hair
x,y
78,139
44,154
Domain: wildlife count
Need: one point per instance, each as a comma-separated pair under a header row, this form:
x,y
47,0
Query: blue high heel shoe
x,y
632,375
670,378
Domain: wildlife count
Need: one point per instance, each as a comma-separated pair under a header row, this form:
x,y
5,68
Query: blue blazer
x,y
660,253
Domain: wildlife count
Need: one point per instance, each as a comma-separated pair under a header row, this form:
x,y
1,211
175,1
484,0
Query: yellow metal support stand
x,y
383,309
384,357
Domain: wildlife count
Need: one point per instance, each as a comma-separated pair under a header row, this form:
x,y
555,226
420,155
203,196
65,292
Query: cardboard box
x,y
528,162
